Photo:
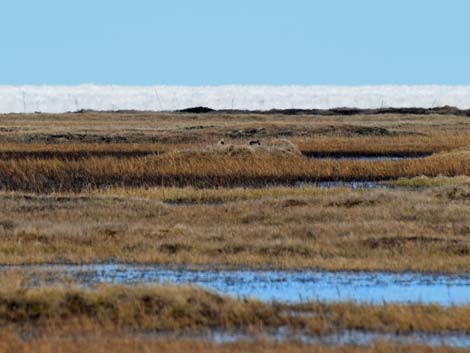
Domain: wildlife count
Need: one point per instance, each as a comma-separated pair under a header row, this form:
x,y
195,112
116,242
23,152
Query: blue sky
x,y
214,42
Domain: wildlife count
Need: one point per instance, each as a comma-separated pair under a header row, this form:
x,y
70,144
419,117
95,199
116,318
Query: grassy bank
x,y
180,309
149,319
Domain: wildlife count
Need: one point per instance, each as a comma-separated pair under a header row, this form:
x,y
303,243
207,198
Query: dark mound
x,y
196,110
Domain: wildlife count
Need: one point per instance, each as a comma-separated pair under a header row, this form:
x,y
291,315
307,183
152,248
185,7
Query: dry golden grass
x,y
413,144
98,180
215,169
10,151
423,181
119,319
43,152
424,132
119,214
334,229
184,309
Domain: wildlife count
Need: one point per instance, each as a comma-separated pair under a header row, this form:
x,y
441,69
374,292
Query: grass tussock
x,y
280,147
176,309
145,308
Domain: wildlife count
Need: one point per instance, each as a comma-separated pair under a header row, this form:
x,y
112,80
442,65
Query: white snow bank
x,y
58,99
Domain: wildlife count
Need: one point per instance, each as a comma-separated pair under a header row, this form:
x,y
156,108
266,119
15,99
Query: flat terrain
x,y
141,187
226,190
308,227
72,152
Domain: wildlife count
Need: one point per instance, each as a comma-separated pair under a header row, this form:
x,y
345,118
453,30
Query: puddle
x,y
371,157
193,203
283,286
351,184
286,335
352,338
341,338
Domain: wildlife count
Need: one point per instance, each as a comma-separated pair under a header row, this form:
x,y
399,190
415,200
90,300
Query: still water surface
x,y
283,286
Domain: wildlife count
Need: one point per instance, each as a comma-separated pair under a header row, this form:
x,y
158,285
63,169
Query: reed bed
x,y
213,169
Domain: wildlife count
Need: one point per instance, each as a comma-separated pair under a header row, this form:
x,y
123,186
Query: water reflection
x,y
284,286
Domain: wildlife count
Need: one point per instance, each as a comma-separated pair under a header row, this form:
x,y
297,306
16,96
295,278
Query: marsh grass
x,y
179,309
213,169
73,152
156,188
189,195
423,181
278,227
406,145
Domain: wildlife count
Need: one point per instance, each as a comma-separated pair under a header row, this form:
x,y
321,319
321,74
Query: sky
x,y
217,42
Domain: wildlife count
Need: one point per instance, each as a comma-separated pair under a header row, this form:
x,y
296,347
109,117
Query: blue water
x,y
370,158
349,184
340,338
355,338
284,286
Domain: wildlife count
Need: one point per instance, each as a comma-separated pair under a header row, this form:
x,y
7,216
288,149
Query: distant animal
x,y
221,142
254,143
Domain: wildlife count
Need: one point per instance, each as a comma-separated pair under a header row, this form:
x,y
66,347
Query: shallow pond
x,y
285,286
371,157
351,184
355,338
